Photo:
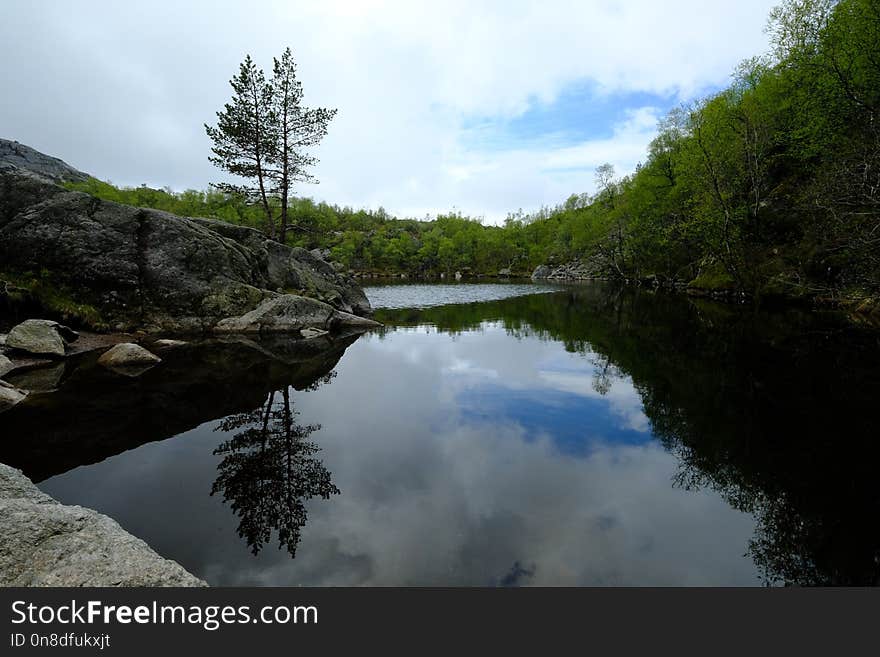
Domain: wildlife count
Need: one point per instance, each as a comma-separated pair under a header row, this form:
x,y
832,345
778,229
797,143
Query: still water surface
x,y
575,436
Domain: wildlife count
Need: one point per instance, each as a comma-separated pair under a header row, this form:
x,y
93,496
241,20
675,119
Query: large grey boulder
x,y
40,336
119,267
288,313
127,354
45,543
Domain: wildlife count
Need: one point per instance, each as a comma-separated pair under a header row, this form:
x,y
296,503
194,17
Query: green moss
x,y
55,299
713,278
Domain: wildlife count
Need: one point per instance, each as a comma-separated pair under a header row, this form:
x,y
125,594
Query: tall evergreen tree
x,y
244,137
296,127
261,135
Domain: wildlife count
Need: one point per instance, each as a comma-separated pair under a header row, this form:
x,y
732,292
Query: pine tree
x,y
296,128
261,135
244,138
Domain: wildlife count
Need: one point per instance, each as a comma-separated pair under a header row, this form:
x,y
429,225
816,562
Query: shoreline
x,y
46,543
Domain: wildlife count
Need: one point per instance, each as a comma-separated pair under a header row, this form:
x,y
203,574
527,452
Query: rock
x,y
6,365
169,344
45,543
458,275
505,272
18,156
10,396
595,266
309,333
40,336
124,267
2,340
541,271
127,354
288,313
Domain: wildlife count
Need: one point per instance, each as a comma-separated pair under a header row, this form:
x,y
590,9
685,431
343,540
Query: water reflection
x,y
590,436
269,470
771,410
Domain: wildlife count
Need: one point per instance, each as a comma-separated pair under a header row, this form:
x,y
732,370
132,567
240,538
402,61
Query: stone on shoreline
x,y
289,313
41,336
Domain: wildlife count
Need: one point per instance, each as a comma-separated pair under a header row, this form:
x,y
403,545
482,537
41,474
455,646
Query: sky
x,y
480,107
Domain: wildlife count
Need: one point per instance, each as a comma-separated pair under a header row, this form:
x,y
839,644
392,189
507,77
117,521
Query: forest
x,y
769,187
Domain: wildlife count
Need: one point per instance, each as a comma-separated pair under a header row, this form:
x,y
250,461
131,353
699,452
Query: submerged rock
x,y
309,333
288,313
40,379
169,344
127,354
10,396
45,543
40,336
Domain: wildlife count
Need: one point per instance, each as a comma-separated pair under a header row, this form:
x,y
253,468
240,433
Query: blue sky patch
x,y
574,423
580,113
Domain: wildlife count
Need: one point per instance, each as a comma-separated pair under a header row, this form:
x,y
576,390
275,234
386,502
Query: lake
x,y
489,435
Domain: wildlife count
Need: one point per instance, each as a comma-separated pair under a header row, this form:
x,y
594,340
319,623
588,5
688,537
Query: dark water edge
x,y
593,435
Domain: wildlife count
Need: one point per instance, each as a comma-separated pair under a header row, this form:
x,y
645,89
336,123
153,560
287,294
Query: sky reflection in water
x,y
476,458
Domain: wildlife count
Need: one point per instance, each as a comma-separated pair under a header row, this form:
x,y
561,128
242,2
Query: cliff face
x,y
118,267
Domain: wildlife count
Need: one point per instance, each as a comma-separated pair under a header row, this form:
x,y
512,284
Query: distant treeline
x,y
770,186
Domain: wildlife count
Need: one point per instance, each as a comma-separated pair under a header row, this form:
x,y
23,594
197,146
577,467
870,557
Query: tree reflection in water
x,y
269,470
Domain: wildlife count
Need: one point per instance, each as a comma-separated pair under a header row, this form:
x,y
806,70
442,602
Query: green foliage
x,y
775,181
39,288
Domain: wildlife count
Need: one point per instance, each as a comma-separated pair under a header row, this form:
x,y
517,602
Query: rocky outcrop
x,y
20,157
288,313
45,543
594,267
41,337
119,267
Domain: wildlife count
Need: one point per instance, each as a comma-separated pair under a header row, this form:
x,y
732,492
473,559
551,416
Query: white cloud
x,y
622,398
123,92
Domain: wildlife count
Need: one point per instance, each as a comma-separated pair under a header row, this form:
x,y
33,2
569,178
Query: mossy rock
x,y
713,278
